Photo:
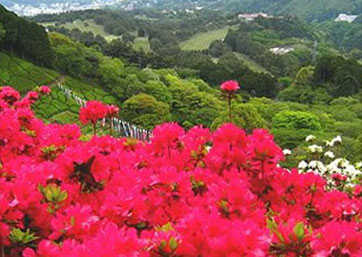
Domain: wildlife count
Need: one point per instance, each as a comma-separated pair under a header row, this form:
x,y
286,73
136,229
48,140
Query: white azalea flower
x,y
337,139
310,138
329,154
302,165
337,165
315,148
351,171
317,165
329,143
287,152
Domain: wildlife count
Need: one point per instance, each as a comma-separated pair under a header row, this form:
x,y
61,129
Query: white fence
x,y
123,128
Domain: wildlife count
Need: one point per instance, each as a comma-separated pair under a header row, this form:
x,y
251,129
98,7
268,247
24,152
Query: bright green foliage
x,y
267,108
299,230
304,76
110,69
344,114
148,74
199,108
244,115
158,90
358,149
344,101
53,193
129,87
57,39
304,94
291,138
22,238
72,61
343,76
145,111
296,120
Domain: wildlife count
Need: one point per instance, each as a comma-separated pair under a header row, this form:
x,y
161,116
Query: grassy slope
x,y
202,41
25,76
250,63
142,43
82,26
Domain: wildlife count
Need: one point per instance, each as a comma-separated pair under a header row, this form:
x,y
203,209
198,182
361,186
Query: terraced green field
x,y
202,41
25,76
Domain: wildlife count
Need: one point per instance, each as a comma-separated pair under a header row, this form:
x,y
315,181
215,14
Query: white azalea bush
x,y
323,159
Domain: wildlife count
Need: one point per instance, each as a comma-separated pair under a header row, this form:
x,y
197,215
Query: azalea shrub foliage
x,y
183,194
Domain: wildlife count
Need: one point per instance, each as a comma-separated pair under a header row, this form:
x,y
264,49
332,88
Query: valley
x,y
180,128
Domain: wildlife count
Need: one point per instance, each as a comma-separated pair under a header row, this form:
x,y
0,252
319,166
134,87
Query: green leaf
x,y
53,193
271,225
173,244
20,237
167,227
62,196
163,245
72,221
299,230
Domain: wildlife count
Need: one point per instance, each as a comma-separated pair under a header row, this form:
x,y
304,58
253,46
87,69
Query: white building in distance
x,y
253,16
281,50
346,17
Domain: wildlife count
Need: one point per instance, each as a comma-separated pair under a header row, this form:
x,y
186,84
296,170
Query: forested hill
x,y
310,10
24,38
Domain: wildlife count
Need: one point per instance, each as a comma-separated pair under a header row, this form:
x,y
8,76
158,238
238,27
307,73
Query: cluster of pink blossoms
x,y
92,112
95,110
183,194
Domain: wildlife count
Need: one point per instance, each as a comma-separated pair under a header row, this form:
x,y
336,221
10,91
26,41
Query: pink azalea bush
x,y
183,194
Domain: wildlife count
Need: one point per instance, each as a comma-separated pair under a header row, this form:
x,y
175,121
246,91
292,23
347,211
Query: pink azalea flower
x,y
230,86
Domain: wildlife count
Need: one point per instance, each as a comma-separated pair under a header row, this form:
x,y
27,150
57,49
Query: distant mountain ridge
x,y
310,10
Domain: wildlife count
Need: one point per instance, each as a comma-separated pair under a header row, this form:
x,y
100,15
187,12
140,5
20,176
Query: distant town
x,y
61,7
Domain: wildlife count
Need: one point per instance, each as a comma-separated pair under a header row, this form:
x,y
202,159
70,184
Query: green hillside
x,y
24,76
250,63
